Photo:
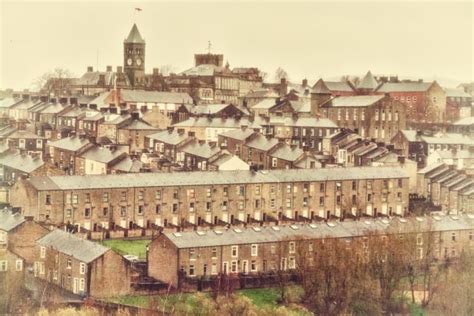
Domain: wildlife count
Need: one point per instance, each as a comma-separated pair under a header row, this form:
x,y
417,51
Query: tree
x,y
280,73
166,70
56,82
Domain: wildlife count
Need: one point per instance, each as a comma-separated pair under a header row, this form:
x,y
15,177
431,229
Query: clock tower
x,y
134,57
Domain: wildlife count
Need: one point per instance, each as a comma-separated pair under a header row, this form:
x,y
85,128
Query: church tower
x,y
134,57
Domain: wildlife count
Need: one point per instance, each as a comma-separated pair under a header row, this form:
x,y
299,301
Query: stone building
x,y
175,258
212,197
81,266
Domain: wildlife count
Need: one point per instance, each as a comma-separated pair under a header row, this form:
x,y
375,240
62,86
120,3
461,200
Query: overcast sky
x,y
307,39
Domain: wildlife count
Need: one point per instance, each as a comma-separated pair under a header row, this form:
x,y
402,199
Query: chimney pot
x,y
109,68
90,69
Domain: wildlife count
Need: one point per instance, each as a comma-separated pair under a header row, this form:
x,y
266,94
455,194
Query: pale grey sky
x,y
307,39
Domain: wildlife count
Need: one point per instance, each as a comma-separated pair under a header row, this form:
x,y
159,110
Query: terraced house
x,y
258,251
212,197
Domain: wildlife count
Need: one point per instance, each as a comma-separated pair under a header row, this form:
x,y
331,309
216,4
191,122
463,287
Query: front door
x,y
75,288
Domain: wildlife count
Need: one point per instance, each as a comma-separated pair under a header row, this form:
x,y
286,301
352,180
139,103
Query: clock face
x,y
139,61
129,61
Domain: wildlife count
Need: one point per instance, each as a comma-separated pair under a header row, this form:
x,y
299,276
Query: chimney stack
x,y
119,69
305,82
90,69
109,68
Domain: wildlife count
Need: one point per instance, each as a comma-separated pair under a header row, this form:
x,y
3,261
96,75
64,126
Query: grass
x,y
262,297
135,247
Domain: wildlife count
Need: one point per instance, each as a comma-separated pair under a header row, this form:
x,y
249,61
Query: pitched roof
x,y
320,87
103,155
134,36
217,122
172,138
128,165
265,104
9,102
338,86
22,162
261,142
155,97
71,245
196,148
212,178
368,82
449,138
70,143
23,134
204,70
405,87
286,152
456,93
238,134
9,220
354,101
138,125
345,229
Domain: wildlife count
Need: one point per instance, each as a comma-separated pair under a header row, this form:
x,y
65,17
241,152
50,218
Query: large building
x,y
212,197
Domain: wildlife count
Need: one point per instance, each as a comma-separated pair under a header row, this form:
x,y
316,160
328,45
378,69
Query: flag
x,y
138,9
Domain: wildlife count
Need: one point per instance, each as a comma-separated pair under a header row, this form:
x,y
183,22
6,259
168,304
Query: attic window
x,y
257,229
200,232
237,230
295,227
313,226
276,228
218,232
177,234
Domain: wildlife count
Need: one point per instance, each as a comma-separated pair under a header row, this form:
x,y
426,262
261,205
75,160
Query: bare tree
x,y
56,82
281,73
166,70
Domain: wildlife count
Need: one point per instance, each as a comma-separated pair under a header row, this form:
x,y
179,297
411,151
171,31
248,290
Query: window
x,y
42,252
191,193
321,201
369,197
233,266
241,190
175,208
68,264
214,253
376,115
48,199
235,251
400,183
214,268
291,263
288,188
310,246
338,186
82,268
192,254
305,201
288,203
254,250
257,204
224,205
399,196
19,265
225,191
191,207
87,212
3,265
274,162
321,187
191,270
105,197
123,211
419,239
141,195
175,194
208,192
75,199
81,284
158,195
257,190
291,247
354,185
453,236
272,203
123,196
253,265
241,205
272,249
88,198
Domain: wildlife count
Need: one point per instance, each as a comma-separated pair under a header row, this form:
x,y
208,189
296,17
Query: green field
x,y
135,247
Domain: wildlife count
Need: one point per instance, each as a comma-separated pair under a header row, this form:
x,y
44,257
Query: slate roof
x,y
128,165
261,142
212,178
456,93
73,112
25,104
9,220
449,138
265,104
91,78
173,138
320,87
262,93
134,36
100,154
285,152
138,125
155,97
22,162
83,250
346,229
101,100
196,148
368,82
238,134
204,70
339,86
9,102
23,134
216,122
405,87
354,101
53,108
410,135
70,143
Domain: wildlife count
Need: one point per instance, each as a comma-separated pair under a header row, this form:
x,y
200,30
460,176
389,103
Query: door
x,y
224,267
245,267
75,286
